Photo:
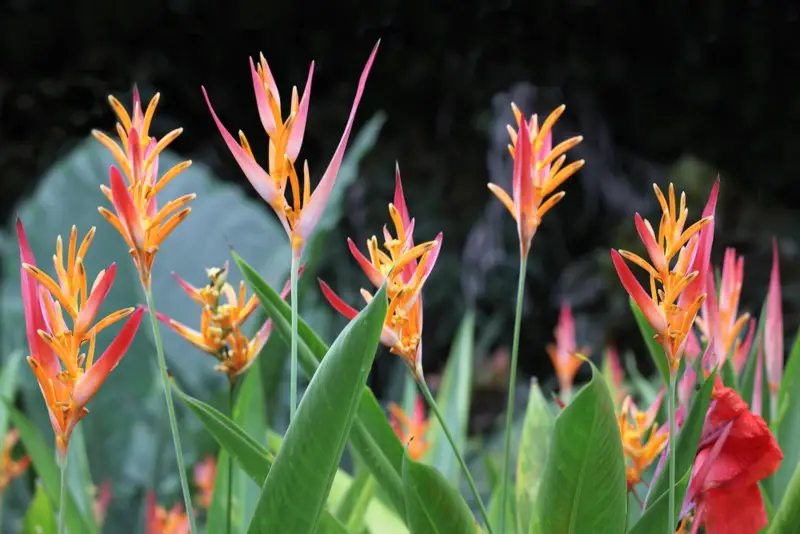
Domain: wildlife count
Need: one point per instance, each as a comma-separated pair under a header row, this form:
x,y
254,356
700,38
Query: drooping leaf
x,y
534,445
371,436
43,459
583,488
656,352
687,441
433,506
294,494
453,399
40,518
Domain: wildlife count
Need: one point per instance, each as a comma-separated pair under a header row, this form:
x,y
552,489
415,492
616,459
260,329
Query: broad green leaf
x,y
328,524
583,487
433,506
787,425
534,445
294,494
43,459
353,508
656,352
128,416
40,517
512,512
250,455
656,517
249,414
378,518
371,437
453,399
688,438
787,516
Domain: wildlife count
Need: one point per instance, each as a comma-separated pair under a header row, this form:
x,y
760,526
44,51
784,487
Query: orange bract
x,y
538,171
159,520
136,215
411,431
641,440
9,467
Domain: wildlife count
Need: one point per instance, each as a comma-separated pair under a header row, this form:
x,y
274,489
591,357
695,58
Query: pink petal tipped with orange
x,y
369,269
650,309
524,194
655,252
313,210
264,111
702,257
257,176
88,384
773,327
99,292
338,304
126,210
299,125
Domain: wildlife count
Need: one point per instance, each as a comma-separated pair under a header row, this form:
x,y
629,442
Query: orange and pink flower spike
x,y
564,353
301,216
101,502
411,431
159,520
538,173
616,375
67,390
773,329
405,268
135,209
205,473
9,467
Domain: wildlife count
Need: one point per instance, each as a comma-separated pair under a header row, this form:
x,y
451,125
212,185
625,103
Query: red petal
x,y
740,512
337,303
299,126
88,384
98,294
651,311
316,204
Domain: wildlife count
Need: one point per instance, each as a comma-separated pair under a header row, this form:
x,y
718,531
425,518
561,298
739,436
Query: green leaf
x,y
353,508
537,429
379,518
328,524
748,375
433,506
656,352
687,441
656,517
787,516
249,414
512,511
371,437
250,455
293,495
787,426
79,477
40,517
453,399
43,459
583,488
8,386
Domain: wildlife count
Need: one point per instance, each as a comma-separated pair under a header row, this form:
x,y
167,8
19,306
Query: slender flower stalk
x,y
142,224
299,218
62,498
672,309
538,171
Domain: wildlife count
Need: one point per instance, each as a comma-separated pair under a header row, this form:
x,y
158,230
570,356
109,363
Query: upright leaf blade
x,y
453,399
293,495
433,506
583,489
40,517
353,508
534,445
787,426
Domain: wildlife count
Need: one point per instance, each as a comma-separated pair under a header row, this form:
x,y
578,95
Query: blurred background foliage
x,y
676,92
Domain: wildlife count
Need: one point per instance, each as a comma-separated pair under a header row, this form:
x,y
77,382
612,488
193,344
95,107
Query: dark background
x,y
679,91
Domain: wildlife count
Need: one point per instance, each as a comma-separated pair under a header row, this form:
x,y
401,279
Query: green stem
x,y
293,363
62,501
512,387
173,422
230,462
426,392
672,446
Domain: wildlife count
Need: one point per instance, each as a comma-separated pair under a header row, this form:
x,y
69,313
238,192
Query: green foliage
x,y
534,447
40,517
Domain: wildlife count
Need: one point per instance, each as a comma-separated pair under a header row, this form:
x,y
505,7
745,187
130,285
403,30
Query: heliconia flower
x,y
220,333
563,353
773,328
742,350
101,502
669,312
616,375
9,467
736,451
53,345
641,440
411,431
405,267
205,473
285,138
720,321
136,215
538,171
159,520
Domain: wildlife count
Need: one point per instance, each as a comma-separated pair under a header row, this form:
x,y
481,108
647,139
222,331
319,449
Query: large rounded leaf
x,y
583,489
294,494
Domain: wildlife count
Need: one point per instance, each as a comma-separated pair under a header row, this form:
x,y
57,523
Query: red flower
x,y
736,451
